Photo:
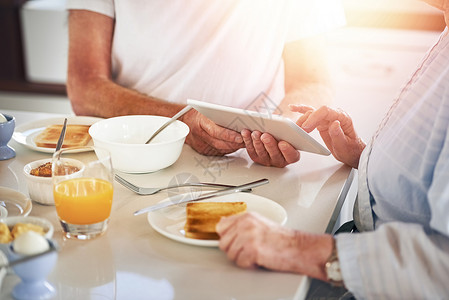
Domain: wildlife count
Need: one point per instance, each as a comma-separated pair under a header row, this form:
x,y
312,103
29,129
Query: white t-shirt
x,y
224,52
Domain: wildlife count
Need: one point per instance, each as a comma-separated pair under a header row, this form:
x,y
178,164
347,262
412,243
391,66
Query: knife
x,y
61,136
184,199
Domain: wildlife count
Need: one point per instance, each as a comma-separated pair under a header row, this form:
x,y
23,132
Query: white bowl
x,y
44,223
41,188
125,139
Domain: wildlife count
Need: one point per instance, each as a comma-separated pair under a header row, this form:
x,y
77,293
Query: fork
x,y
150,191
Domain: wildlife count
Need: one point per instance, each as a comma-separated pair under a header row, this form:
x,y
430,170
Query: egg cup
x,y
6,131
33,274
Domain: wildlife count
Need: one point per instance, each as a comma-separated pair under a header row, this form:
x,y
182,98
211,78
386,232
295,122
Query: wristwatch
x,y
332,267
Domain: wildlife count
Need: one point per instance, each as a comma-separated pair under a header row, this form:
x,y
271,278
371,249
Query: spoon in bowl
x,y
174,118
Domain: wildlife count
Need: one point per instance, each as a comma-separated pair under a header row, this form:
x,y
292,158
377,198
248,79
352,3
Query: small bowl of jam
x,y
39,179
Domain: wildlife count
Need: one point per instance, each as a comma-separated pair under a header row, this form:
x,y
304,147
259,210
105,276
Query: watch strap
x,y
332,267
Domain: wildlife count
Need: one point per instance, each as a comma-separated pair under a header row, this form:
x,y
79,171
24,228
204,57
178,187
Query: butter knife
x,y
179,199
61,136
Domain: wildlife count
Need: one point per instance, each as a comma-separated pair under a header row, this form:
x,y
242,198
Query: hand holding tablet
x,y
279,127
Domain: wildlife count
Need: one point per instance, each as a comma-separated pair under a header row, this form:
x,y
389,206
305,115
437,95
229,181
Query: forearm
x,y
104,98
255,241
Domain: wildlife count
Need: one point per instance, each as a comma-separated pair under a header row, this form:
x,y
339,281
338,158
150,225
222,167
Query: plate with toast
x,y
195,222
42,135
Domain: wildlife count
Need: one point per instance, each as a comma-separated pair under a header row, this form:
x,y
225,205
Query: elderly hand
x,y
208,138
264,149
250,240
336,129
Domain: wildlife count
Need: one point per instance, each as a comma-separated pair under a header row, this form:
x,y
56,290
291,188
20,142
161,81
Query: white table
x,y
133,261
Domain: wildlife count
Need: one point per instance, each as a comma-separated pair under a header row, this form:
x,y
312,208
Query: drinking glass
x,y
83,202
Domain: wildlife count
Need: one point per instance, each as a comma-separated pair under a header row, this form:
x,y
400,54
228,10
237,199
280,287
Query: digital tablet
x,y
279,127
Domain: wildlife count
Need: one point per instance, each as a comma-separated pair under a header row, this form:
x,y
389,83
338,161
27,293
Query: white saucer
x,y
14,203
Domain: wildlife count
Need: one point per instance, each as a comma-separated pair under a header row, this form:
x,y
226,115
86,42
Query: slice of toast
x,y
202,217
75,136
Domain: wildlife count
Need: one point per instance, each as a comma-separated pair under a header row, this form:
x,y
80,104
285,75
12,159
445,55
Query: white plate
x,y
170,221
14,203
25,134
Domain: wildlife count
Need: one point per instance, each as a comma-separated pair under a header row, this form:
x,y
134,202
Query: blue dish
x,y
6,131
33,274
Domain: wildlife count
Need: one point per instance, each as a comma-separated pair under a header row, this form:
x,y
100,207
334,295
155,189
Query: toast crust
x,y
75,136
203,235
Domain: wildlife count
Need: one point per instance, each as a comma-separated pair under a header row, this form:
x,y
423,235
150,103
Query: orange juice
x,y
83,201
